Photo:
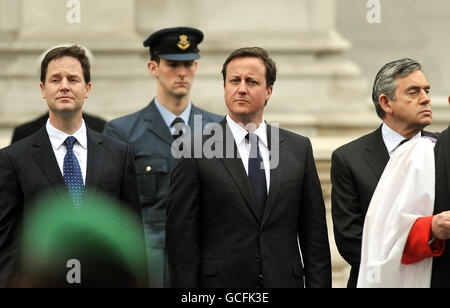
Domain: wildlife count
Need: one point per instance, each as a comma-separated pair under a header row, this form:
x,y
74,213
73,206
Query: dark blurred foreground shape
x,y
99,247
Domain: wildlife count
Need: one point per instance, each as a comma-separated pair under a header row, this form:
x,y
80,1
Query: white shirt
x,y
392,139
243,145
57,139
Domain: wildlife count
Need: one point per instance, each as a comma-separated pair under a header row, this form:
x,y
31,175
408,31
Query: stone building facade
x,y
327,54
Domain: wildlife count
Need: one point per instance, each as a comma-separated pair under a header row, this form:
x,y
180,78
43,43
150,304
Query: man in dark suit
x,y
253,215
64,153
401,98
151,131
24,130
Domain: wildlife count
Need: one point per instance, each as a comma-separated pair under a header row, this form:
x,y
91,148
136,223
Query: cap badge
x,y
183,44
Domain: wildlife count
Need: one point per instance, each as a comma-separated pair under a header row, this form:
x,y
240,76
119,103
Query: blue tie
x,y
256,173
72,173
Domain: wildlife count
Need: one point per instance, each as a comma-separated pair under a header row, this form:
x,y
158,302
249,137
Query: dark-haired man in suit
x,y
247,219
63,155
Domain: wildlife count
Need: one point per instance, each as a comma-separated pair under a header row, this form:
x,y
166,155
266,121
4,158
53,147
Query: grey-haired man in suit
x,y
151,132
401,97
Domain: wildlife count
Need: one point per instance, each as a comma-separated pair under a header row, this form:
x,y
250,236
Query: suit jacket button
x,y
148,169
261,281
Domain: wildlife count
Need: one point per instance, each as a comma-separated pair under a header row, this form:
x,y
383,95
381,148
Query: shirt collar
x,y
392,139
58,137
239,132
168,116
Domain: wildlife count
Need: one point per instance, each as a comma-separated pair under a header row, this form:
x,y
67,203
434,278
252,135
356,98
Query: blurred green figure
x,y
101,246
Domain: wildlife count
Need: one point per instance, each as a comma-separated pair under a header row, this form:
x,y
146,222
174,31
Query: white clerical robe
x,y
404,193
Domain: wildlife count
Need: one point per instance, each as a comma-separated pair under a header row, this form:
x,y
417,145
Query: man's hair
x,y
155,58
254,52
72,51
386,80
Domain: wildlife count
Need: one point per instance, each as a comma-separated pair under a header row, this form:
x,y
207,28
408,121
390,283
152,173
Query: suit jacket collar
x,y
442,153
236,169
45,158
376,154
276,174
196,112
157,125
95,160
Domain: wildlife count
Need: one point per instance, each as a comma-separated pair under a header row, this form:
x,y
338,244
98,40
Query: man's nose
x,y
424,97
64,84
242,87
181,71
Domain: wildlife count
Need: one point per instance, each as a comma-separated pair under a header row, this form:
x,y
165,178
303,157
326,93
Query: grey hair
x,y
386,80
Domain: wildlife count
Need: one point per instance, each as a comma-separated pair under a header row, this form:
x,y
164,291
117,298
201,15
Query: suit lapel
x,y
156,123
194,112
45,158
442,152
236,169
376,153
276,174
447,164
95,159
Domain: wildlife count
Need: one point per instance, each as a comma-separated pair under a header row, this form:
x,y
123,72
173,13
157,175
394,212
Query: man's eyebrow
x,y
428,87
59,75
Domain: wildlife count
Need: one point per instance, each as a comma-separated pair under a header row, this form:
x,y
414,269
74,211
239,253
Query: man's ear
x,y
88,89
269,91
42,90
385,103
153,68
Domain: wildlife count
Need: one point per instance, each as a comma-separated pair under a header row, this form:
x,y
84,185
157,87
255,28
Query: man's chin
x,y
66,112
181,92
428,121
